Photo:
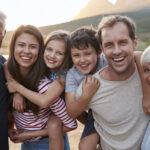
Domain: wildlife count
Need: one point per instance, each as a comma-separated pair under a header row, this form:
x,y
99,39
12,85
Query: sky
x,y
40,12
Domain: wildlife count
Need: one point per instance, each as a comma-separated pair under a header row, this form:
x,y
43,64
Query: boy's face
x,y
85,60
146,69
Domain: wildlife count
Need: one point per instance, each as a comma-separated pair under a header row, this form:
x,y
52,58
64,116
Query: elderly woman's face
x,y
146,69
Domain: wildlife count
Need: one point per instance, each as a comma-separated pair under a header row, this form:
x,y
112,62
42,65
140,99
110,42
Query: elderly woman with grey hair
x,y
145,63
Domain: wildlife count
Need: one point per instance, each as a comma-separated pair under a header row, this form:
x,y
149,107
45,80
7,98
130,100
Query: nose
x,y
116,50
52,54
82,59
27,49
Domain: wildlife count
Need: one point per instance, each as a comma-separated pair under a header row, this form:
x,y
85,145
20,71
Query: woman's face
x,y
26,51
54,54
146,69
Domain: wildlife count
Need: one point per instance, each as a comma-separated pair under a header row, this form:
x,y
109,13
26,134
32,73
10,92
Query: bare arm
x,y
18,102
76,107
43,100
27,135
145,87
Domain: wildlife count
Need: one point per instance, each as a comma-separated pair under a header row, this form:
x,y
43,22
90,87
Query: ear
x,y
135,43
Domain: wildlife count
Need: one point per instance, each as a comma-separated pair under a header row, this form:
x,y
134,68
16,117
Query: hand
x,y
146,105
90,86
22,136
18,103
12,133
12,85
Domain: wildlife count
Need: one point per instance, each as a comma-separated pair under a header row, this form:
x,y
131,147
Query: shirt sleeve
x,y
71,84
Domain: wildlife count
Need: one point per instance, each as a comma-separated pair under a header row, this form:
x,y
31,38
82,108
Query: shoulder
x,y
2,59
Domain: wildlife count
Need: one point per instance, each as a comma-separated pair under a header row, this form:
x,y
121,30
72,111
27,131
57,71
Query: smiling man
x,y
117,104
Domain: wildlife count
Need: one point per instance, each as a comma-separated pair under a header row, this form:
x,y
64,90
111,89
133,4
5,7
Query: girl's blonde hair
x,y
145,58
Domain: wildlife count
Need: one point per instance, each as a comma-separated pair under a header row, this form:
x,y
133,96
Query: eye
x,y
123,42
33,46
49,49
146,70
88,53
75,55
60,53
108,45
21,44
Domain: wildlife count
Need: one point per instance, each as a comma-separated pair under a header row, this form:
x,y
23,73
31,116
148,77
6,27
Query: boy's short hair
x,y
84,36
2,19
145,58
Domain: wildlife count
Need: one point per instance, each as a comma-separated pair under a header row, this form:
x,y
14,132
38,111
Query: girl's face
x,y
146,69
26,51
54,54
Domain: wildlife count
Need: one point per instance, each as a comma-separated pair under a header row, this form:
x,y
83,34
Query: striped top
x,y
29,121
58,107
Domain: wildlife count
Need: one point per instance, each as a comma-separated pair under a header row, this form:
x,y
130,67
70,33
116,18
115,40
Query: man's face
x,y
2,34
118,48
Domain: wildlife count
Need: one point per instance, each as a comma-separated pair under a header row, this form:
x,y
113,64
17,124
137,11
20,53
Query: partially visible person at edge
x,y
144,69
3,91
26,65
56,58
117,104
86,57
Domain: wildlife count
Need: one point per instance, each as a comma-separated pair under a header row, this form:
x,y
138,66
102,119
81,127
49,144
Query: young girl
x,y
26,65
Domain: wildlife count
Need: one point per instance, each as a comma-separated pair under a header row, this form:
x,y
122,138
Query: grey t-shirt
x,y
118,114
74,76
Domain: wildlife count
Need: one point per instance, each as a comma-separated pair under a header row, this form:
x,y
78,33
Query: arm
x,y
145,87
76,107
18,102
43,100
27,135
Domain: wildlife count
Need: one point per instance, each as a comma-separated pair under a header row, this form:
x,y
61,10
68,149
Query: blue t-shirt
x,y
75,77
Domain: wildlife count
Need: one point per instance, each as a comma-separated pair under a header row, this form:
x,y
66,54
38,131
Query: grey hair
x,y
145,58
2,19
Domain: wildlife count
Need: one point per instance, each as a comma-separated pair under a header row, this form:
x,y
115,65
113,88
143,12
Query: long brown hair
x,y
32,78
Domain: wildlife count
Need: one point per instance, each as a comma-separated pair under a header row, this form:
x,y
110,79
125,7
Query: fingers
x,y
93,80
18,107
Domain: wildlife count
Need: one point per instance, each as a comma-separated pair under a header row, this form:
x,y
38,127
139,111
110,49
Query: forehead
x,y
118,31
27,37
57,44
90,48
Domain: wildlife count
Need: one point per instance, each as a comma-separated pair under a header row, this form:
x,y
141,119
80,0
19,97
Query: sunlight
x,y
112,1
40,12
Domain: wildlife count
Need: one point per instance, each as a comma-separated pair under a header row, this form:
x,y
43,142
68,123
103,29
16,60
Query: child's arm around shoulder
x,y
145,87
76,106
53,91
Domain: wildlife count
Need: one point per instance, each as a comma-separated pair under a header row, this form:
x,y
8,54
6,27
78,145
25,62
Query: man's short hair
x,y
109,21
2,19
145,58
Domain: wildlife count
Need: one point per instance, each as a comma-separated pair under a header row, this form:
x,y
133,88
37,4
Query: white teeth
x,y
51,61
25,58
83,66
118,59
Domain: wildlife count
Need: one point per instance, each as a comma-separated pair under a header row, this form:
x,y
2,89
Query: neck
x,y
109,74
